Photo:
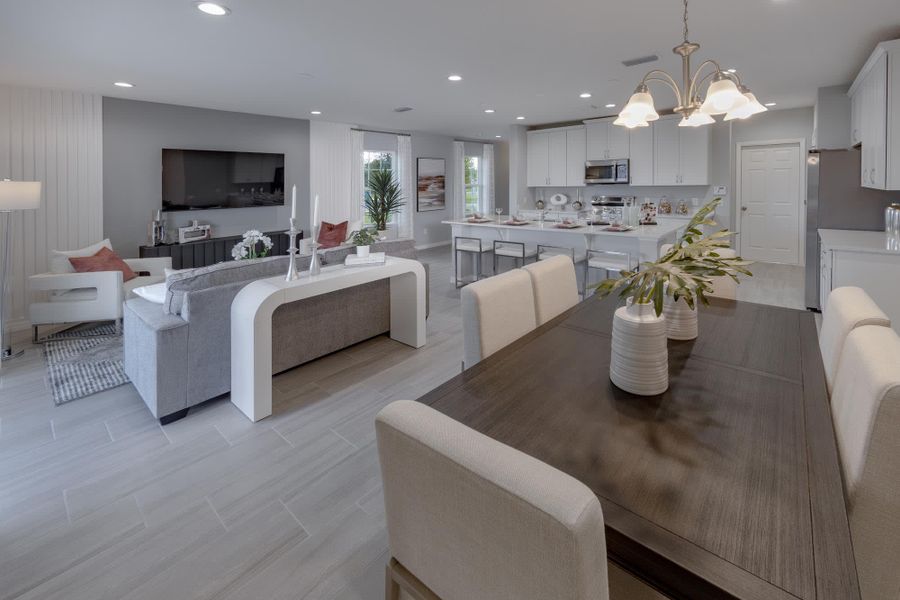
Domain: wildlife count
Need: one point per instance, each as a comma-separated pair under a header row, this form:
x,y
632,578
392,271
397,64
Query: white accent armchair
x,y
97,296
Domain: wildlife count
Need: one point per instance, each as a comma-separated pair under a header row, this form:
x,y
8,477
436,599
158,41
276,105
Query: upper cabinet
x,y
641,155
555,157
606,141
680,154
875,117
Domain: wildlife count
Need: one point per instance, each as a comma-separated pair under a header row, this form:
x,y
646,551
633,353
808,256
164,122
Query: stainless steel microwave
x,y
606,171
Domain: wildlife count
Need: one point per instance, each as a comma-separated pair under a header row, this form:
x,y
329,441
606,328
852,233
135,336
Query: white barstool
x,y
517,251
865,406
610,261
471,247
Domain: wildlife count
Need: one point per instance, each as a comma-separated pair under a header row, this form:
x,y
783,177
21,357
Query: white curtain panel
x,y
406,179
357,174
330,171
487,179
459,187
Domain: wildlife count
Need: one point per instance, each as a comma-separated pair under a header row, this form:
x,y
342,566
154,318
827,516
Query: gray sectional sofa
x,y
179,354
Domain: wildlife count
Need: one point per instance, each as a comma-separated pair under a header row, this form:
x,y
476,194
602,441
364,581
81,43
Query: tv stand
x,y
209,252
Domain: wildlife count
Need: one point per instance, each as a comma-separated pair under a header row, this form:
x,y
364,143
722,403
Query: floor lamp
x,y
14,195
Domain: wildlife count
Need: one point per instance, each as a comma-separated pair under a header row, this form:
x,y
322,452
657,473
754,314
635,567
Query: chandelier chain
x,y
685,20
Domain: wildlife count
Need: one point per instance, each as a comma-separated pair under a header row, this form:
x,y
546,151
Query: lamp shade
x,y
631,123
752,107
640,108
722,96
20,195
696,119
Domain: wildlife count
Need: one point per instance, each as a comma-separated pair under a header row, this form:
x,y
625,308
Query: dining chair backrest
x,y
555,287
469,517
845,309
496,311
866,409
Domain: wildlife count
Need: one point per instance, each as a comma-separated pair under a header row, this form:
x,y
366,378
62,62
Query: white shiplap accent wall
x,y
330,170
55,137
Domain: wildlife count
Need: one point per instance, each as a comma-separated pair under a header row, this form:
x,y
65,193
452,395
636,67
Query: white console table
x,y
251,321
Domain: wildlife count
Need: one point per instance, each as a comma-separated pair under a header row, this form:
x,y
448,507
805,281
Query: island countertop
x,y
663,228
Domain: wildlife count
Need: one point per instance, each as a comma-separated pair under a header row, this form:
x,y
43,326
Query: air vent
x,y
403,109
640,61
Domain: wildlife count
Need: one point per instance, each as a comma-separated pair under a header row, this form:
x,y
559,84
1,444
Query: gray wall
x,y
134,134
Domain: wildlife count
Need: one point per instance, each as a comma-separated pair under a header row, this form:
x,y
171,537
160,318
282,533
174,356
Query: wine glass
x,y
499,212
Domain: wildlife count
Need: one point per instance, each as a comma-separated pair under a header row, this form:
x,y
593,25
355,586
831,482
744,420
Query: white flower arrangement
x,y
246,248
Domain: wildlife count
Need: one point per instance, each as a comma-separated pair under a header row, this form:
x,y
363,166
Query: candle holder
x,y
293,251
314,266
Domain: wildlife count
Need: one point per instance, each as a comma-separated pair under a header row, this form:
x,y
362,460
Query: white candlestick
x,y
294,202
315,221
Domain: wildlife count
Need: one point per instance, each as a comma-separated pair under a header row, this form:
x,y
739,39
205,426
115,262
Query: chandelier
x,y
725,94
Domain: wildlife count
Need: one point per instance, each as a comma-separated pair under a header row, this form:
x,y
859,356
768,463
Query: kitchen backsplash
x,y
673,194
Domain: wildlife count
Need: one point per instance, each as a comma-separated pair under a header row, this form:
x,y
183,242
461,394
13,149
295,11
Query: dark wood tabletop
x,y
726,486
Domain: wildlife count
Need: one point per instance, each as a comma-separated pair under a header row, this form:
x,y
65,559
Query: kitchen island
x,y
642,243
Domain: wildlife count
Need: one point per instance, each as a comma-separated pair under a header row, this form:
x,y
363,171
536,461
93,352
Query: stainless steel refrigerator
x,y
836,200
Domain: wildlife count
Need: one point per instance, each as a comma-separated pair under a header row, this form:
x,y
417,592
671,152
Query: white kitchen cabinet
x,y
861,259
680,154
606,141
641,151
666,151
875,117
548,158
538,158
575,156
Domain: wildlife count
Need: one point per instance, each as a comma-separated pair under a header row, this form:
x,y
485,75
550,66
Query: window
x,y
375,161
473,185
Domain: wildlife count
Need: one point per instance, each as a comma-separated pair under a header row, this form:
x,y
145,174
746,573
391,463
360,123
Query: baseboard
x,y
433,245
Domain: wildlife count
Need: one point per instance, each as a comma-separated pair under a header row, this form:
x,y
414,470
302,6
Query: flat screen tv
x,y
201,179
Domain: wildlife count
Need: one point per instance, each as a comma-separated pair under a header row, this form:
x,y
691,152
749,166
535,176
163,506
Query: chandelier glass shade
x,y
725,94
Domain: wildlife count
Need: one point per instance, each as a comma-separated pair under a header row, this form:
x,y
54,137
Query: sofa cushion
x,y
178,284
104,260
59,259
155,293
331,235
144,280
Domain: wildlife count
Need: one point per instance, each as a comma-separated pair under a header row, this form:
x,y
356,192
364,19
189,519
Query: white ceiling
x,y
356,60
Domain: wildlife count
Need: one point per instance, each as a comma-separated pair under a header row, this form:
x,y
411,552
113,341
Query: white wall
x,y
54,137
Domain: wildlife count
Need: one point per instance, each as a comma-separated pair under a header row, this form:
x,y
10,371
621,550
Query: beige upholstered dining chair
x,y
495,312
469,517
555,287
846,309
866,408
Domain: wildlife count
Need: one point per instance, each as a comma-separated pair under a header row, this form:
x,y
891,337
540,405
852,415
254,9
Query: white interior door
x,y
770,203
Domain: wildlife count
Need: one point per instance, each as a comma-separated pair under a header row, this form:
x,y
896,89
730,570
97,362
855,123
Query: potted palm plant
x,y
680,279
383,199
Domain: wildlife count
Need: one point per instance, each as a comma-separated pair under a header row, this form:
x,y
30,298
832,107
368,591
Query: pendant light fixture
x,y
725,94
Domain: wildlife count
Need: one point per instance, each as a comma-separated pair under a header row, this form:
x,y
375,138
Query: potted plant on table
x,y
383,199
363,239
253,245
672,285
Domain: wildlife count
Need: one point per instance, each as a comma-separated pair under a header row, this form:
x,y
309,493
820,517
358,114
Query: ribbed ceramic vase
x,y
681,319
640,360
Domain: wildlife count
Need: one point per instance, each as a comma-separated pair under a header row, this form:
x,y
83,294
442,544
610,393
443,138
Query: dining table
x,y
727,485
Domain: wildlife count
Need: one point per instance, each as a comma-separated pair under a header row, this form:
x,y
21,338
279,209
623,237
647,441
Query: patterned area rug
x,y
83,361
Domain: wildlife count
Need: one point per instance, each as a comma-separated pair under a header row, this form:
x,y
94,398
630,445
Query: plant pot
x,y
681,319
382,234
362,251
639,362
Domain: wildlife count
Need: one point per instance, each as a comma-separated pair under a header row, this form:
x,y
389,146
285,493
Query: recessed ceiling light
x,y
584,95
315,112
498,136
610,105
123,84
211,8
732,70
455,77
520,118
770,103
489,110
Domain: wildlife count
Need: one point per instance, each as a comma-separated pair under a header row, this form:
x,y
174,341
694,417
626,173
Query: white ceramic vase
x,y
382,234
639,362
681,319
362,251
